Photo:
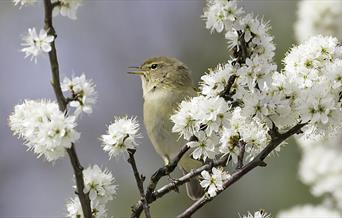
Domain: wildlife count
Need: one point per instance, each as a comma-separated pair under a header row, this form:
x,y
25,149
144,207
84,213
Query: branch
x,y
241,54
62,104
186,178
140,181
157,175
182,180
164,171
238,174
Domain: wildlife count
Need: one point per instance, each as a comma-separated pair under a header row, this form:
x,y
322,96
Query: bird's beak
x,y
137,72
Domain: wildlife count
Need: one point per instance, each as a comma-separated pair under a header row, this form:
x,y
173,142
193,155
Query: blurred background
x,y
107,37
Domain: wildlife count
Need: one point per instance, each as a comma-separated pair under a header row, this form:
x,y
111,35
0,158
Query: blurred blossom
x,y
325,179
24,2
310,211
67,8
318,17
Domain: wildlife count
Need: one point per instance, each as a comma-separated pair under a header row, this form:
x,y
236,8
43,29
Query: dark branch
x,y
55,82
173,186
241,54
140,181
238,174
164,171
157,175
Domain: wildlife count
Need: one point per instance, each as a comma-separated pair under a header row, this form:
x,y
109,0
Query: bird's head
x,y
163,73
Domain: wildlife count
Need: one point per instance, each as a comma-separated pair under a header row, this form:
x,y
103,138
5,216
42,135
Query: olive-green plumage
x,y
166,82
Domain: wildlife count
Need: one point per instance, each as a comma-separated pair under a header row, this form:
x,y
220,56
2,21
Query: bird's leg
x,y
174,181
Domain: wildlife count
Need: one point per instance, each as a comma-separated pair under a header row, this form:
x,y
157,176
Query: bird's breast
x,y
159,105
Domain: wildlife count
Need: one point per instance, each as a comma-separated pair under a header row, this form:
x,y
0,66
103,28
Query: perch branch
x,y
157,175
180,181
277,139
62,103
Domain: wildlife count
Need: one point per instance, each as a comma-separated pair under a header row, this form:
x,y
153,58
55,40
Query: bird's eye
x,y
154,66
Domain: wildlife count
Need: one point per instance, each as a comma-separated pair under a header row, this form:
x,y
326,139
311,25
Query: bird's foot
x,y
174,181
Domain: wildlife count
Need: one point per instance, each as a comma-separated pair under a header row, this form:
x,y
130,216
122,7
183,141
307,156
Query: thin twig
x,y
62,103
140,181
257,161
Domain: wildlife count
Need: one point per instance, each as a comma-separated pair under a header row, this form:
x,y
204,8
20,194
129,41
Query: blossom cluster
x,y
121,135
306,91
318,17
312,82
101,187
223,125
320,166
44,128
83,93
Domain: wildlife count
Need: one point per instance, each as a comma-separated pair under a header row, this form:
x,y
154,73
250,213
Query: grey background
x,y
108,37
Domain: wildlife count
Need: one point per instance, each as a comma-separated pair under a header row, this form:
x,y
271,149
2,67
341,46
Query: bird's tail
x,y
193,187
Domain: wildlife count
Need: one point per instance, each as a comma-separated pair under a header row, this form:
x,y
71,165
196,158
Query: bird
x,y
166,82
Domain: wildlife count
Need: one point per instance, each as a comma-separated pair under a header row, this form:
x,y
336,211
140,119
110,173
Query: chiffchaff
x,y
166,82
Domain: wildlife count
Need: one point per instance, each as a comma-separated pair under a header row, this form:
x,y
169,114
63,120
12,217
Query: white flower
x,y
230,143
214,182
204,146
251,131
35,43
318,17
67,8
44,128
209,114
83,93
74,209
257,214
121,135
24,2
215,81
309,211
221,14
99,184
